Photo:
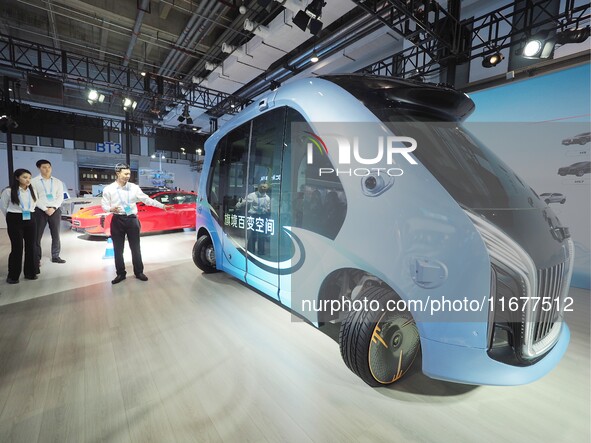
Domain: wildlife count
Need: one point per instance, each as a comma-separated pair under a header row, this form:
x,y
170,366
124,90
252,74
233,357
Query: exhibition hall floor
x,y
190,357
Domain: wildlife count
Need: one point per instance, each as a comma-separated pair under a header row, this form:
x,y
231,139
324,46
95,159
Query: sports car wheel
x,y
204,254
379,345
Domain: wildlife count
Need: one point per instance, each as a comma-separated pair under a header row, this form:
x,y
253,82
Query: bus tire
x,y
379,346
204,254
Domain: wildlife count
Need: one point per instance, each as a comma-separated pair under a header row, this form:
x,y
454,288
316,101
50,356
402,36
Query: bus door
x,y
233,164
262,203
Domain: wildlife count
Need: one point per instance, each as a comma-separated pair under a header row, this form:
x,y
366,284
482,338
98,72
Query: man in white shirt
x,y
120,198
50,196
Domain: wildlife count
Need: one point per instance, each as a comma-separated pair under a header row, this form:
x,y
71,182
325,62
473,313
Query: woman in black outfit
x,y
18,204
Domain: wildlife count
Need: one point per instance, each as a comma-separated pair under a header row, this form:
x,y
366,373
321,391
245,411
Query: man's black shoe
x,y
31,277
57,260
118,279
10,281
141,277
37,271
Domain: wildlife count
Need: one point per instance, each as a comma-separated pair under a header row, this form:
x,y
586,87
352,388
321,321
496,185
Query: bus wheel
x,y
376,344
204,254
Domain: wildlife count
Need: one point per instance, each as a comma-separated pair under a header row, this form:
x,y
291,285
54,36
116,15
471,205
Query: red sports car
x,y
93,220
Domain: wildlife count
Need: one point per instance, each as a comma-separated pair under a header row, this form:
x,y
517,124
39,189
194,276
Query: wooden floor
x,y
186,357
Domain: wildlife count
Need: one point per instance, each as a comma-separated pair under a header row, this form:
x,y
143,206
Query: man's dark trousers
x,y
54,221
122,225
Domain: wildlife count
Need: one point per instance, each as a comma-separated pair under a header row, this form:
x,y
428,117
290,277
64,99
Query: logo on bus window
x,y
385,150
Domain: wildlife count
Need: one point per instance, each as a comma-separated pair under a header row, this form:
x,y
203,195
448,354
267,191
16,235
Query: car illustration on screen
x,y
579,139
362,201
553,197
93,220
579,169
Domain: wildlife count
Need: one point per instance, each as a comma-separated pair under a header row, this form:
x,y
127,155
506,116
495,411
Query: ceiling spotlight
x,y
7,123
210,66
185,116
539,46
573,36
256,29
310,17
314,58
129,104
492,60
94,96
143,73
242,10
198,151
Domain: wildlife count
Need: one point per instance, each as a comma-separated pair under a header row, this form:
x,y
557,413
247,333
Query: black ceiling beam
x,y
490,32
32,57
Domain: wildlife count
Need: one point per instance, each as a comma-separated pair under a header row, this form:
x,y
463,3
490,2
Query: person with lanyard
x,y
17,203
50,196
120,198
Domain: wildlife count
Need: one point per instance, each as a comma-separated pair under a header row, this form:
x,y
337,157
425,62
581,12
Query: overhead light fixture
x,y
7,123
314,58
185,116
573,35
210,66
94,96
309,18
492,60
229,49
143,73
541,45
256,29
129,104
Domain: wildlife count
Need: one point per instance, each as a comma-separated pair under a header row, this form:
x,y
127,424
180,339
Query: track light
x,y
129,104
185,116
256,29
573,36
314,58
229,49
94,96
541,45
492,60
310,17
210,66
7,123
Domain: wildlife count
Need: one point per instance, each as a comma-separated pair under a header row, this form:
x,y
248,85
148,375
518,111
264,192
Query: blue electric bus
x,y
363,201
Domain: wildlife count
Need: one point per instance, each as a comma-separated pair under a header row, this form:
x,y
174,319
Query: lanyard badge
x,y
26,214
49,194
126,205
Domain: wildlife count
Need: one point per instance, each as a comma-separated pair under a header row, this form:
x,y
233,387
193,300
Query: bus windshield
x,y
469,171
